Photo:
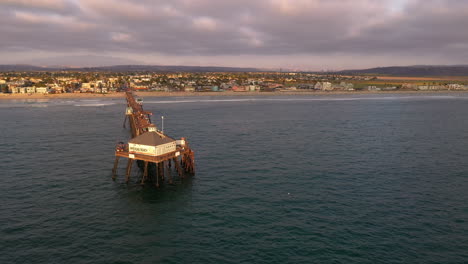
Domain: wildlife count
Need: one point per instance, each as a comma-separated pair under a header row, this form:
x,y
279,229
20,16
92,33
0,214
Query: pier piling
x,y
129,170
114,170
145,173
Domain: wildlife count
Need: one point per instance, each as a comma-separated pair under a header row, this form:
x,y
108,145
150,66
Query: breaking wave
x,y
417,97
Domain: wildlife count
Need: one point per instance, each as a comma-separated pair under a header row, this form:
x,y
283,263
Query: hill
x,y
22,68
128,68
415,71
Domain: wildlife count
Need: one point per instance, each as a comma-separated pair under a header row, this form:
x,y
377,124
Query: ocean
x,y
283,179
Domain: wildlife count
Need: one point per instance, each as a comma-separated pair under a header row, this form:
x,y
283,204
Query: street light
x,y
162,125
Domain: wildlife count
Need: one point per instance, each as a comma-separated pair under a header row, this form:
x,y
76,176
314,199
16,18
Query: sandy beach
x,y
4,96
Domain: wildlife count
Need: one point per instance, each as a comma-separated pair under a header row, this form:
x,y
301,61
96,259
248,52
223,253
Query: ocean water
x,y
310,179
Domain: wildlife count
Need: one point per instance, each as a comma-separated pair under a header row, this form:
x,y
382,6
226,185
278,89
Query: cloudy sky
x,y
295,34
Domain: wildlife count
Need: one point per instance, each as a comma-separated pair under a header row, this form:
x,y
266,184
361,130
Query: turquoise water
x,y
318,179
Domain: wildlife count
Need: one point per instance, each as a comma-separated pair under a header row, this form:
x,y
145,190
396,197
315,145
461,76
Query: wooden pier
x,y
155,153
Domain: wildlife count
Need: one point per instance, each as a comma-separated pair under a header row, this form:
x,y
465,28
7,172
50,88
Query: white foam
x,y
416,97
37,105
94,104
200,101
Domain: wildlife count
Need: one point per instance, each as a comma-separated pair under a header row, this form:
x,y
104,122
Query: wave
x,y
305,99
100,103
37,105
199,101
94,104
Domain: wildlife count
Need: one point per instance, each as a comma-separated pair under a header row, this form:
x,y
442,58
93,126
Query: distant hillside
x,y
129,68
416,71
161,68
21,68
79,61
456,70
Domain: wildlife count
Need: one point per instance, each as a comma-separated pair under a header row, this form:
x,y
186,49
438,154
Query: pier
x,y
157,154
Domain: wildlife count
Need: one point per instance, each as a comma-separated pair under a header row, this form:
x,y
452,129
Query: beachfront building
x,y
29,90
430,87
189,89
3,88
41,90
324,86
409,86
253,88
455,86
347,86
373,88
238,88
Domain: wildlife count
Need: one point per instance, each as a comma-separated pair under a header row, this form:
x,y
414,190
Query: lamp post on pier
x,y
162,124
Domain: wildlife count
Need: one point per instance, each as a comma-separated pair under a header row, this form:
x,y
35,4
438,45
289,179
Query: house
x,y
409,86
288,89
3,88
56,90
347,86
455,86
389,88
189,89
430,87
253,88
373,88
238,88
42,90
324,86
31,90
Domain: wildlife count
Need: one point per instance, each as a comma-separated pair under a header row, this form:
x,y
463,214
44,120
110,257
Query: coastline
x,y
195,94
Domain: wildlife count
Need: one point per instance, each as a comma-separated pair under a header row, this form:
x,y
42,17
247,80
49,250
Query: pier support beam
x,y
179,169
168,171
114,170
145,173
156,174
129,169
161,169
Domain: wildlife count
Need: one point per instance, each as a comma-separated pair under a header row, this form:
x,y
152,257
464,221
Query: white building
x,y
30,90
152,144
253,88
42,90
455,86
324,86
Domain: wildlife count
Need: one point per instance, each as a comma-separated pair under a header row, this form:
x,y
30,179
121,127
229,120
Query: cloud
x,y
251,37
40,4
56,20
302,30
121,37
115,9
204,24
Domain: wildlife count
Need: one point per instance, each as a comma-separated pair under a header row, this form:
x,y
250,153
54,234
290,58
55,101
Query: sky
x,y
288,34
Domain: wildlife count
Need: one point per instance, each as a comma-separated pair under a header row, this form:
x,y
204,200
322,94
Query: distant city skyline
x,y
289,34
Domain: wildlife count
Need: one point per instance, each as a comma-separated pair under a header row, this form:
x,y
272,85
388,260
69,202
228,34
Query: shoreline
x,y
197,94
